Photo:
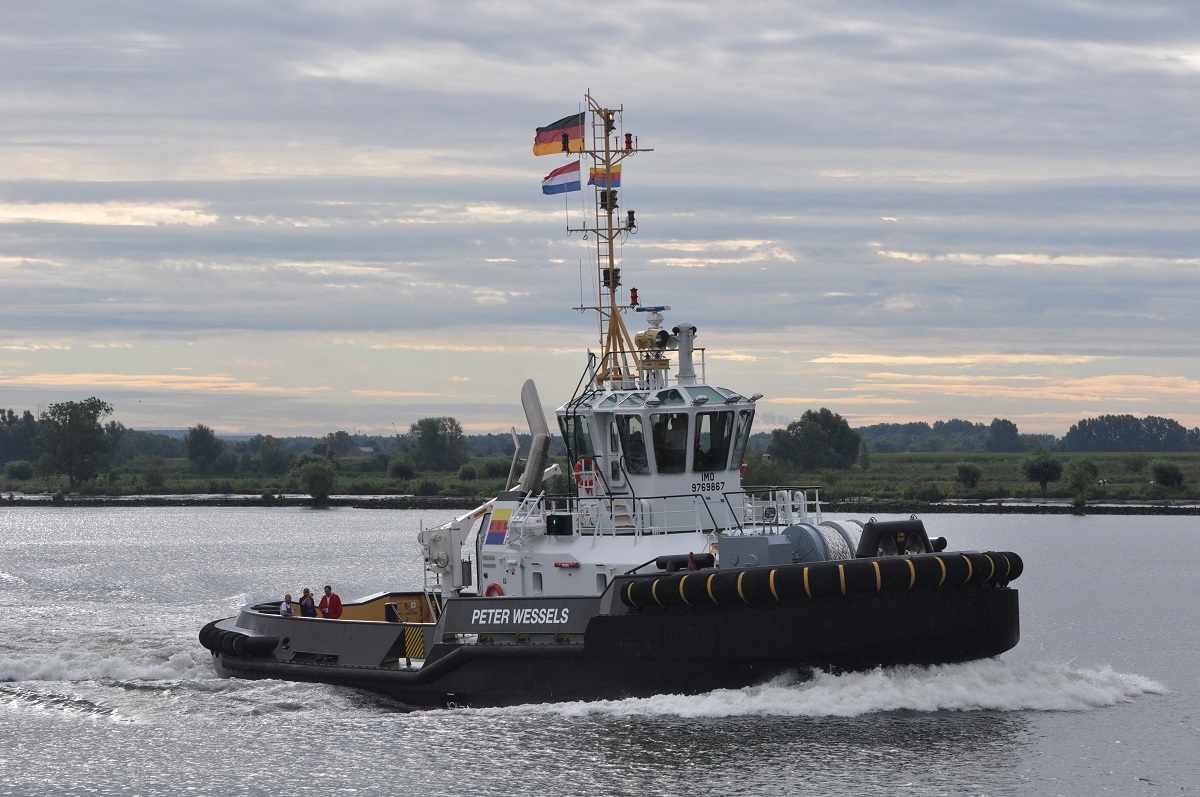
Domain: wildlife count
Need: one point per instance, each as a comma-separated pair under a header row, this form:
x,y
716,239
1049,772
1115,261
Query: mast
x,y
620,365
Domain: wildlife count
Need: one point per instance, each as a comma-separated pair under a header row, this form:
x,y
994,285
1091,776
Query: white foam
x,y
85,665
976,686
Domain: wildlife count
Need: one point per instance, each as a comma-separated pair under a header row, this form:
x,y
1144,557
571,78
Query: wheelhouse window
x,y
670,433
713,433
577,435
633,443
741,437
672,396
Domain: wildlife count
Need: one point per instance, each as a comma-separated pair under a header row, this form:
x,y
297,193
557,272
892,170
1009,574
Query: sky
x,y
293,218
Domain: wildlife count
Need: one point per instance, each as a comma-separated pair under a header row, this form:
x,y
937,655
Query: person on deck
x,y
308,606
285,608
331,604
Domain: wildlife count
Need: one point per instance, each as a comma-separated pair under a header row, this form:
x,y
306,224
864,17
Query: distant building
x,y
359,451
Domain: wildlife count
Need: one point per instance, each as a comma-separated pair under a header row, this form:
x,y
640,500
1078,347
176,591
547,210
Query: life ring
x,y
585,470
742,470
493,590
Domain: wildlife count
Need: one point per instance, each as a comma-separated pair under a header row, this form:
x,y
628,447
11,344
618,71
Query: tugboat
x,y
658,572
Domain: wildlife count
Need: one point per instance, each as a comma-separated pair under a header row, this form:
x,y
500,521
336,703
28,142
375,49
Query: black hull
x,y
688,650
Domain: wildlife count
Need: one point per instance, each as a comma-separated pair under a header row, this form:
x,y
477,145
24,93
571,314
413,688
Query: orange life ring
x,y
493,590
585,470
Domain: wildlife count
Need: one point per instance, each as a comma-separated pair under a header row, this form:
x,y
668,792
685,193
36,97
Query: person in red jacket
x,y
331,604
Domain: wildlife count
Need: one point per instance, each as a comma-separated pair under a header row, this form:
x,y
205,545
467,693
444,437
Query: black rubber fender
x,y
226,639
824,580
765,585
789,583
958,569
207,633
896,573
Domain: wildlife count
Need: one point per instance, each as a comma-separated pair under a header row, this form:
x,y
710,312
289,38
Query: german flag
x,y
565,135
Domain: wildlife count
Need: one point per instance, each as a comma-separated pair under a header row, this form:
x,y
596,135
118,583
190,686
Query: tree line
x,y
75,439
1102,434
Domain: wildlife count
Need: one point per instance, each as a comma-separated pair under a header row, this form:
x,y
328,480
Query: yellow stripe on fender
x,y
629,595
878,577
970,569
654,593
992,562
741,594
681,595
708,585
807,588
943,564
773,592
912,573
842,576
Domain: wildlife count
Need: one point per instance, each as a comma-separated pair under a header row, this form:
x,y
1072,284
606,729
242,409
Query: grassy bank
x,y
891,480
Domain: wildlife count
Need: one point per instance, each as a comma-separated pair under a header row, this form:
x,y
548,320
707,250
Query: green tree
x,y
16,435
402,467
18,470
820,439
440,445
1042,468
1167,473
203,447
152,473
72,440
319,479
1003,436
1080,478
1125,433
968,474
272,459
1136,462
864,457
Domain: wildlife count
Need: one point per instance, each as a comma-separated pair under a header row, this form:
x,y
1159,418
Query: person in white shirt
x,y
285,608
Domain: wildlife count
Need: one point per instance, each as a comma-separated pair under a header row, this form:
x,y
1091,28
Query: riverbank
x,y
453,503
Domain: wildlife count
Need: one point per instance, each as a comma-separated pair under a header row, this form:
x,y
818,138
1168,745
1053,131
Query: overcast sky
x,y
298,217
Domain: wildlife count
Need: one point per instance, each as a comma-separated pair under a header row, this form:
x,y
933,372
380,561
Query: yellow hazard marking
x,y
708,585
414,642
842,577
912,573
992,562
773,592
970,569
741,594
878,577
943,564
681,595
807,589
654,593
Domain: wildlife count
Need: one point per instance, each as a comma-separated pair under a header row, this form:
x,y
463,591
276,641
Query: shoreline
x,y
448,503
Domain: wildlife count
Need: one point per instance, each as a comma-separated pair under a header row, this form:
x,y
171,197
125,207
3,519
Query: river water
x,y
105,690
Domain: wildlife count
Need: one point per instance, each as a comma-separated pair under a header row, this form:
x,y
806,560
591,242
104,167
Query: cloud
x,y
158,382
965,359
342,197
107,213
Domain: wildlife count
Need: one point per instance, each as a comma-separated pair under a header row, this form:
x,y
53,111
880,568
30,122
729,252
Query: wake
x,y
989,685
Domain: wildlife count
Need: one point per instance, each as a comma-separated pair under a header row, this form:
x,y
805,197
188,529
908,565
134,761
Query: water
x,y
105,690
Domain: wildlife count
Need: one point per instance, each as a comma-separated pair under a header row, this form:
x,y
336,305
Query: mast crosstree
x,y
620,364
